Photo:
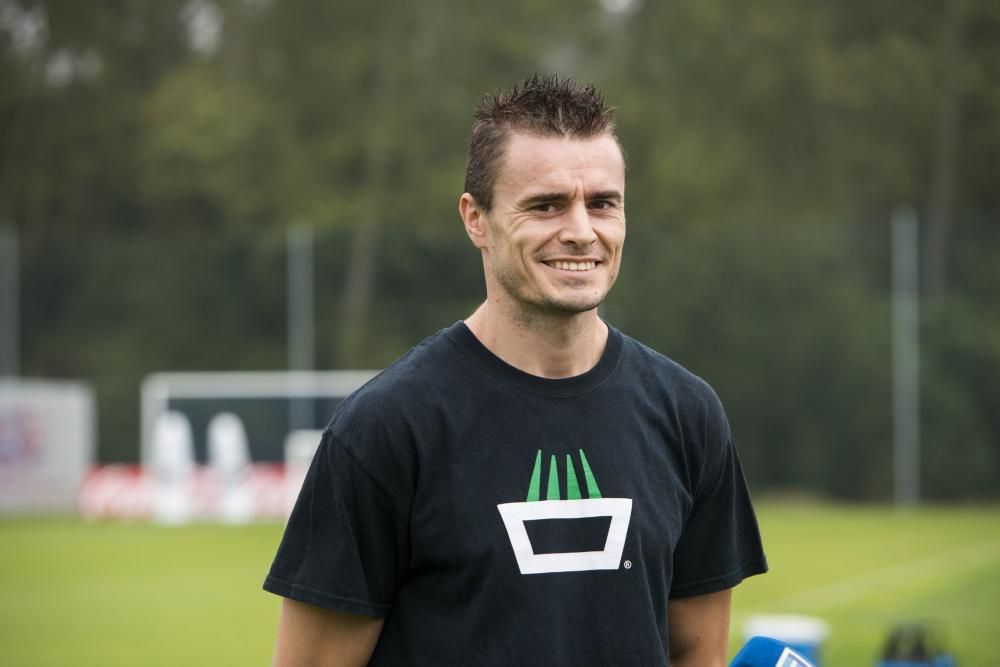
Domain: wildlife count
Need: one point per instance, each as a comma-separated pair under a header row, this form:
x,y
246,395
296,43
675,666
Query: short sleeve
x,y
344,547
720,544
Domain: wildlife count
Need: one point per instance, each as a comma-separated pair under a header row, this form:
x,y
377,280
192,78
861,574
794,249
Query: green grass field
x,y
863,569
135,594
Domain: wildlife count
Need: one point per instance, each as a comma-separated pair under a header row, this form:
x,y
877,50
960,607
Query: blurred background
x,y
263,185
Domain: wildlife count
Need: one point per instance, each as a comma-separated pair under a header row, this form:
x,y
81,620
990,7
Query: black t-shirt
x,y
497,518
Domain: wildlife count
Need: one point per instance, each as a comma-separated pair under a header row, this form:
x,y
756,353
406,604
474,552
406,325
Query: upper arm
x,y
311,635
698,628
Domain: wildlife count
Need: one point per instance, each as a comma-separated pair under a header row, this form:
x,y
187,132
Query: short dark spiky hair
x,y
544,106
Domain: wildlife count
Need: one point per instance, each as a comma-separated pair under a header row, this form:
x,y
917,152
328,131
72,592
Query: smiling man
x,y
551,233
529,485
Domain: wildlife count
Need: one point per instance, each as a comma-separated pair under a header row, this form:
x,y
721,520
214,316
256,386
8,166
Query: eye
x,y
546,207
602,204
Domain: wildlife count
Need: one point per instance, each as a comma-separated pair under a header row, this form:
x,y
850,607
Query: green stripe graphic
x,y
572,480
572,483
592,490
553,491
536,479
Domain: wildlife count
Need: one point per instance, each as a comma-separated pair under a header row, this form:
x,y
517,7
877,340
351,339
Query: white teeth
x,y
574,266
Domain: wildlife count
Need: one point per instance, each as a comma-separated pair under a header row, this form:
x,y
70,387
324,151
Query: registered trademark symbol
x,y
627,564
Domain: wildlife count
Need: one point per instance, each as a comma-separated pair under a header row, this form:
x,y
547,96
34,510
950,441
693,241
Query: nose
x,y
577,228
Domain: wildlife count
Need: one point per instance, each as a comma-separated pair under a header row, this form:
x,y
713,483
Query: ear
x,y
474,220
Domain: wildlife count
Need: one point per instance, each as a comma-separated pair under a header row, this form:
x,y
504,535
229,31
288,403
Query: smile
x,y
573,266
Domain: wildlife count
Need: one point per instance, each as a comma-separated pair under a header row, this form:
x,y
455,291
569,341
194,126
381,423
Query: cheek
x,y
511,250
613,237
506,259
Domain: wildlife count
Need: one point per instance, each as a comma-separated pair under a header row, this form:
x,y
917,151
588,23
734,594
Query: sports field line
x,y
849,591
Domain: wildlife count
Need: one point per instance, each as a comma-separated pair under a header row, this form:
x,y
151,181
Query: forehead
x,y
559,163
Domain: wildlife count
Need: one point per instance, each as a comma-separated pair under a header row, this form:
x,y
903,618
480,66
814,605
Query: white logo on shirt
x,y
515,514
574,506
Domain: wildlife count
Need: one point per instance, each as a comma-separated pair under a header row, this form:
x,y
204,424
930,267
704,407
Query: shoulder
x,y
382,424
401,394
416,368
667,380
692,408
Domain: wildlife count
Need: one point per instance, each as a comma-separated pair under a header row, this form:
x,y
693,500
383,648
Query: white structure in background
x,y
160,389
245,477
300,448
229,459
173,469
47,436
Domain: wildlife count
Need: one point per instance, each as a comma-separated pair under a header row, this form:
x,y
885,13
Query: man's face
x,y
553,241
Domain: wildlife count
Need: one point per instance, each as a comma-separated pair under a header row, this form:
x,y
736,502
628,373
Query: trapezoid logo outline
x,y
574,506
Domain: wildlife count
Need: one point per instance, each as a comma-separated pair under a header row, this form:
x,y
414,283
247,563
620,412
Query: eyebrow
x,y
546,197
606,194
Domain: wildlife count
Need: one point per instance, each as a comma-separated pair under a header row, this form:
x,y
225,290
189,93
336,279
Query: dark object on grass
x,y
915,645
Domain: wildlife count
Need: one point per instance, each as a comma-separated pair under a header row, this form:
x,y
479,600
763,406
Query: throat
x,y
540,346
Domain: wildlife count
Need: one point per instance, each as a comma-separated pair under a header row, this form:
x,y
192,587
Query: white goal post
x,y
160,389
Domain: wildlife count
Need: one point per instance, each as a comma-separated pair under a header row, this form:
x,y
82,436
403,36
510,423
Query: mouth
x,y
576,266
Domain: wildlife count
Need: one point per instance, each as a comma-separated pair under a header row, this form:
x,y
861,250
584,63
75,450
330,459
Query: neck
x,y
548,346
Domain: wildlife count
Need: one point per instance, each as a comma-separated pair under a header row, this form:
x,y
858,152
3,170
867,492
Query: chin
x,y
573,306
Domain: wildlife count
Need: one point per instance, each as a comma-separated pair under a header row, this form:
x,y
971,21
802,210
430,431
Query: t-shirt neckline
x,y
557,388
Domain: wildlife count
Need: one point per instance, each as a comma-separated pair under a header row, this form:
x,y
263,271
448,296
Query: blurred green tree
x,y
153,154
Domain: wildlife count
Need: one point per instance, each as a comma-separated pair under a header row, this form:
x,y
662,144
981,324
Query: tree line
x,y
155,153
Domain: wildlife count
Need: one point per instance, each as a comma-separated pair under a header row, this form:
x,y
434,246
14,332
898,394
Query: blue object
x,y
767,652
809,651
803,634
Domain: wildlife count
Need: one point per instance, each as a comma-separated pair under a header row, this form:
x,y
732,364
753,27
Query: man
x,y
529,486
